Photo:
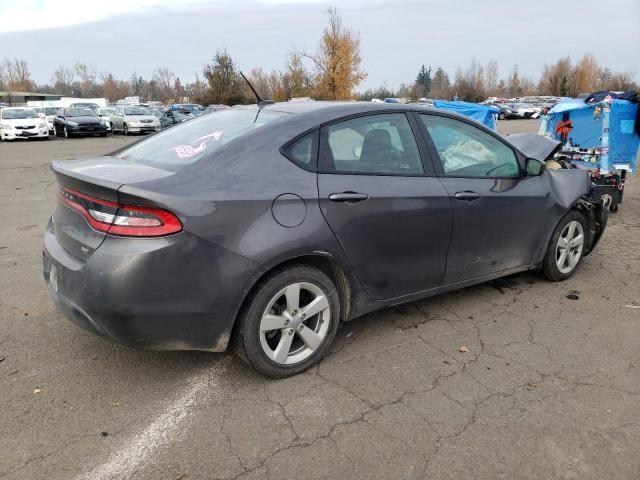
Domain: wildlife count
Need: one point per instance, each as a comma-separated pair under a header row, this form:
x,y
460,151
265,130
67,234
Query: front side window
x,y
376,144
467,151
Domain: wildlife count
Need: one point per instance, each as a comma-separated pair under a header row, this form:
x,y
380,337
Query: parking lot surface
x,y
506,380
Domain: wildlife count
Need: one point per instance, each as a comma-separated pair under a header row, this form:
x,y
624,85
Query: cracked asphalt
x,y
505,380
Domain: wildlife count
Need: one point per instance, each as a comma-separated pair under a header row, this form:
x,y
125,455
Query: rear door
x,y
389,213
498,213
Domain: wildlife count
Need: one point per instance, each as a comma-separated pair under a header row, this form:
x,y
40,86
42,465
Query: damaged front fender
x,y
597,216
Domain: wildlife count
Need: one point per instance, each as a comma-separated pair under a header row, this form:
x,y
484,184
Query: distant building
x,y
21,98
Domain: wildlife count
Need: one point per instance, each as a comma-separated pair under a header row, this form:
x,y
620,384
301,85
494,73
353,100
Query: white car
x,y
22,123
523,110
49,114
134,120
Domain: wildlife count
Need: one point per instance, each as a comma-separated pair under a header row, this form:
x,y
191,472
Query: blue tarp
x,y
587,131
485,114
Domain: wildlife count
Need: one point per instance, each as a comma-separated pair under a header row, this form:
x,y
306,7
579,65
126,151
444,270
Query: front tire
x,y
289,323
125,131
65,132
566,247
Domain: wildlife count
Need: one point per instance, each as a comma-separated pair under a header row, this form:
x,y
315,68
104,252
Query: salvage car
x,y
49,114
506,112
79,121
171,118
22,123
263,227
134,120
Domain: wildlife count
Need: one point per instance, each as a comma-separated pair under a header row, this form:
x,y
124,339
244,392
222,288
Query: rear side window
x,y
303,151
196,138
380,144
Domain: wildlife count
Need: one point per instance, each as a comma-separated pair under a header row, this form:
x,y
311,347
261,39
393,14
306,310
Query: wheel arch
x,y
323,261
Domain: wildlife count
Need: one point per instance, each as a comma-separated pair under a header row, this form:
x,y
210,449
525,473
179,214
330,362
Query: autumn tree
x,y
224,83
337,61
557,79
298,77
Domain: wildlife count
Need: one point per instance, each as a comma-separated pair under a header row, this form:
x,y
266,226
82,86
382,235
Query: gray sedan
x,y
263,227
134,120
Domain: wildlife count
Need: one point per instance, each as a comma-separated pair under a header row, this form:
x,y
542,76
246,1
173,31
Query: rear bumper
x,y
169,293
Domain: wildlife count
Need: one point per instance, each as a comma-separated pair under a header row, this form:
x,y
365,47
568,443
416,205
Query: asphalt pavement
x,y
505,380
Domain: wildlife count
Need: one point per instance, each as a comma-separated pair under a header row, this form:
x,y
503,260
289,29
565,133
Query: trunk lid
x,y
81,180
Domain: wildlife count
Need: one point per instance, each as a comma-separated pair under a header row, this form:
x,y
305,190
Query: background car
x,y
49,115
93,106
193,108
79,121
134,120
506,112
173,117
157,111
264,227
215,108
522,110
22,123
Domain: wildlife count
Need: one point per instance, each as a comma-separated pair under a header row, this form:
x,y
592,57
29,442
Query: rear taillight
x,y
118,219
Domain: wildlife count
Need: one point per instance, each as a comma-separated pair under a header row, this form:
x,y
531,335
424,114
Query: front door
x,y
498,213
391,218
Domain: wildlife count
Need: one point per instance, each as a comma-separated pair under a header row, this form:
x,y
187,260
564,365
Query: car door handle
x,y
467,195
348,197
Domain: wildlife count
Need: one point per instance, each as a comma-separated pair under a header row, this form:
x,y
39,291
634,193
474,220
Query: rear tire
x,y
289,322
566,247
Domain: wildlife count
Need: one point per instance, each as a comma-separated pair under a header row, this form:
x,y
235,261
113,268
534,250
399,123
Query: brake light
x,y
118,219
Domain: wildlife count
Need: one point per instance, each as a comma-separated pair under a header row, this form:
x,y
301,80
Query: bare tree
x,y
63,79
165,83
88,74
16,75
491,77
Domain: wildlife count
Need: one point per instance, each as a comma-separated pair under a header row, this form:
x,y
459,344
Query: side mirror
x,y
533,167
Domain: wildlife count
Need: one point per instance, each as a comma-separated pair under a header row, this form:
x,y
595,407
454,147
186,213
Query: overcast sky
x,y
123,36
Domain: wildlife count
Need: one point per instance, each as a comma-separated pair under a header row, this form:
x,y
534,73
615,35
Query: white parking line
x,y
164,430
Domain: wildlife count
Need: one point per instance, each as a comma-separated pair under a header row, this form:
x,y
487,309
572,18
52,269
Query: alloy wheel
x,y
569,246
295,323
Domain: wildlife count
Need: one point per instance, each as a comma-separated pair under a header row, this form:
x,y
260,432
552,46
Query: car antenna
x,y
261,102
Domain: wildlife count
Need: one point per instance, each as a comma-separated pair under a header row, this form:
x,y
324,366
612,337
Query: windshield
x,y
18,114
189,142
106,111
189,108
136,111
79,112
